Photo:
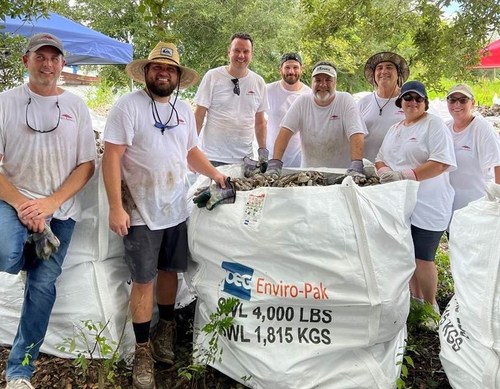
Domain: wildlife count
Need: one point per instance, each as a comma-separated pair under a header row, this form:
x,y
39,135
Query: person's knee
x,y
11,259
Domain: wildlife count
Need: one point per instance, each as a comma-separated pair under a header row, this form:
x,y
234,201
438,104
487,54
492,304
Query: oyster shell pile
x,y
303,178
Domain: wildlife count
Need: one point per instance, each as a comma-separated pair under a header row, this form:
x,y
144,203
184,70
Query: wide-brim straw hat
x,y
163,53
387,56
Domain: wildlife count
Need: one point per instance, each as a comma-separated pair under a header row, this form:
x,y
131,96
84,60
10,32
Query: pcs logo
x,y
238,278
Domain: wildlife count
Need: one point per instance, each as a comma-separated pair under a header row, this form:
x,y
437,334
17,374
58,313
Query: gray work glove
x,y
262,162
391,176
274,167
369,168
46,243
356,167
214,195
250,167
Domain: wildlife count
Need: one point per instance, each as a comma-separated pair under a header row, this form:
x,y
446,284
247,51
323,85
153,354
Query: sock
x,y
141,331
166,312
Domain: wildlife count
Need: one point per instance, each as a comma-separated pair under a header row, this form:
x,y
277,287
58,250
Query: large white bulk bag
x,y
475,264
94,284
322,276
467,362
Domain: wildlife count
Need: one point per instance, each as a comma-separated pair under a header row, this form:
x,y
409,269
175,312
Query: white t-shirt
x,y
38,164
477,151
229,129
378,124
325,131
408,147
154,166
280,100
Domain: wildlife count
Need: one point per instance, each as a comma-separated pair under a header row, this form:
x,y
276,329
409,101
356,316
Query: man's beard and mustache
x,y
291,79
160,90
323,96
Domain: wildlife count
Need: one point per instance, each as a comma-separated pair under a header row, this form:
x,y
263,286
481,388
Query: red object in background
x,y
490,57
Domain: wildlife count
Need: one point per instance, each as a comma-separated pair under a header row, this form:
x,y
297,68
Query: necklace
x,y
380,108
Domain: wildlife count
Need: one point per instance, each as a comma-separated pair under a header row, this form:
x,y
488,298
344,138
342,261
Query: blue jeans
x,y
40,289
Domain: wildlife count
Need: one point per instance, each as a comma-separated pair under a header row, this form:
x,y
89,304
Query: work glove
x,y
214,195
250,167
46,243
263,155
390,176
369,168
355,168
274,167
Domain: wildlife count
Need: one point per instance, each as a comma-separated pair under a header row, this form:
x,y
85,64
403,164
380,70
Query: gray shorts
x,y
147,251
425,243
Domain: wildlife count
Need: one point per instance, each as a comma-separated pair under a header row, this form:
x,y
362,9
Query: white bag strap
x,y
352,194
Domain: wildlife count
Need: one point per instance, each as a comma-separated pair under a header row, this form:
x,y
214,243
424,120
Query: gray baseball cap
x,y
44,39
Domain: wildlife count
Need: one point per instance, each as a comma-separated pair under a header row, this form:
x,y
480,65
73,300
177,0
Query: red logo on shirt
x,y
465,147
66,116
250,92
334,117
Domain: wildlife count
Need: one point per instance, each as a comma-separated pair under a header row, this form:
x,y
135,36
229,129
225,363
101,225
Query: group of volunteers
x,y
153,138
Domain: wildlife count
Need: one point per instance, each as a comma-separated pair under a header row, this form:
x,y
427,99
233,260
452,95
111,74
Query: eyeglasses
x,y
461,100
156,116
46,131
236,89
409,98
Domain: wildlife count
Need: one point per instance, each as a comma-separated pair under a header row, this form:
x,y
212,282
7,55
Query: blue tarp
x,y
83,45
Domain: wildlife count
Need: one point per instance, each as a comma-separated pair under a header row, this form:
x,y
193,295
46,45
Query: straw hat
x,y
387,56
163,53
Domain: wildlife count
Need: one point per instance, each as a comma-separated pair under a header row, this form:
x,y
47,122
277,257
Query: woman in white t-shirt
x,y
420,148
477,148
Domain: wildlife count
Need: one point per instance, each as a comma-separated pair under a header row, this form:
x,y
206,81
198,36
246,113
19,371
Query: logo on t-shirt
x,y
251,92
67,116
334,117
465,147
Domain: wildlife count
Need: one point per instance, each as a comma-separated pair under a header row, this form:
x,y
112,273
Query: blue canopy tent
x,y
83,45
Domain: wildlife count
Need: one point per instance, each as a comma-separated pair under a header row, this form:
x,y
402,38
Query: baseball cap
x,y
324,68
411,86
463,89
44,39
290,57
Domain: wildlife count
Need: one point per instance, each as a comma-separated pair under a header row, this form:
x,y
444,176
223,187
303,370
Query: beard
x,y
291,79
323,96
160,90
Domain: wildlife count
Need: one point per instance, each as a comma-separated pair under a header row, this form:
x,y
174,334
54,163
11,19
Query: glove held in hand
x,y
46,243
262,163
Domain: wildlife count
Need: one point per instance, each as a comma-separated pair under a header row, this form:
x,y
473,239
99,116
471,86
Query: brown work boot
x,y
143,375
164,341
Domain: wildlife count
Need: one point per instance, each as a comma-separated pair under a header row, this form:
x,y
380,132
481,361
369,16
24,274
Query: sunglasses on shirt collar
x,y
236,89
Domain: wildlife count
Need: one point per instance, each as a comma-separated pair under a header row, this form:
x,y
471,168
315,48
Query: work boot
x,y
164,341
143,375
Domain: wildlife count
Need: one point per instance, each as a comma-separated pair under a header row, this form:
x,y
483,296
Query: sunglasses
x,y
158,123
461,100
409,98
236,89
43,131
291,57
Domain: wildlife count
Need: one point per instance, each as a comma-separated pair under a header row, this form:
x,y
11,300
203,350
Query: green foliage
x,y
11,66
220,321
98,348
406,360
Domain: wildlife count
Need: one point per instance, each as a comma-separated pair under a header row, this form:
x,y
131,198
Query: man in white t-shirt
x,y
330,125
233,100
281,95
150,138
47,154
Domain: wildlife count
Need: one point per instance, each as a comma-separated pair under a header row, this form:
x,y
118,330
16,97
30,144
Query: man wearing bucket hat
x,y
150,137
48,153
281,95
329,123
233,99
386,71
